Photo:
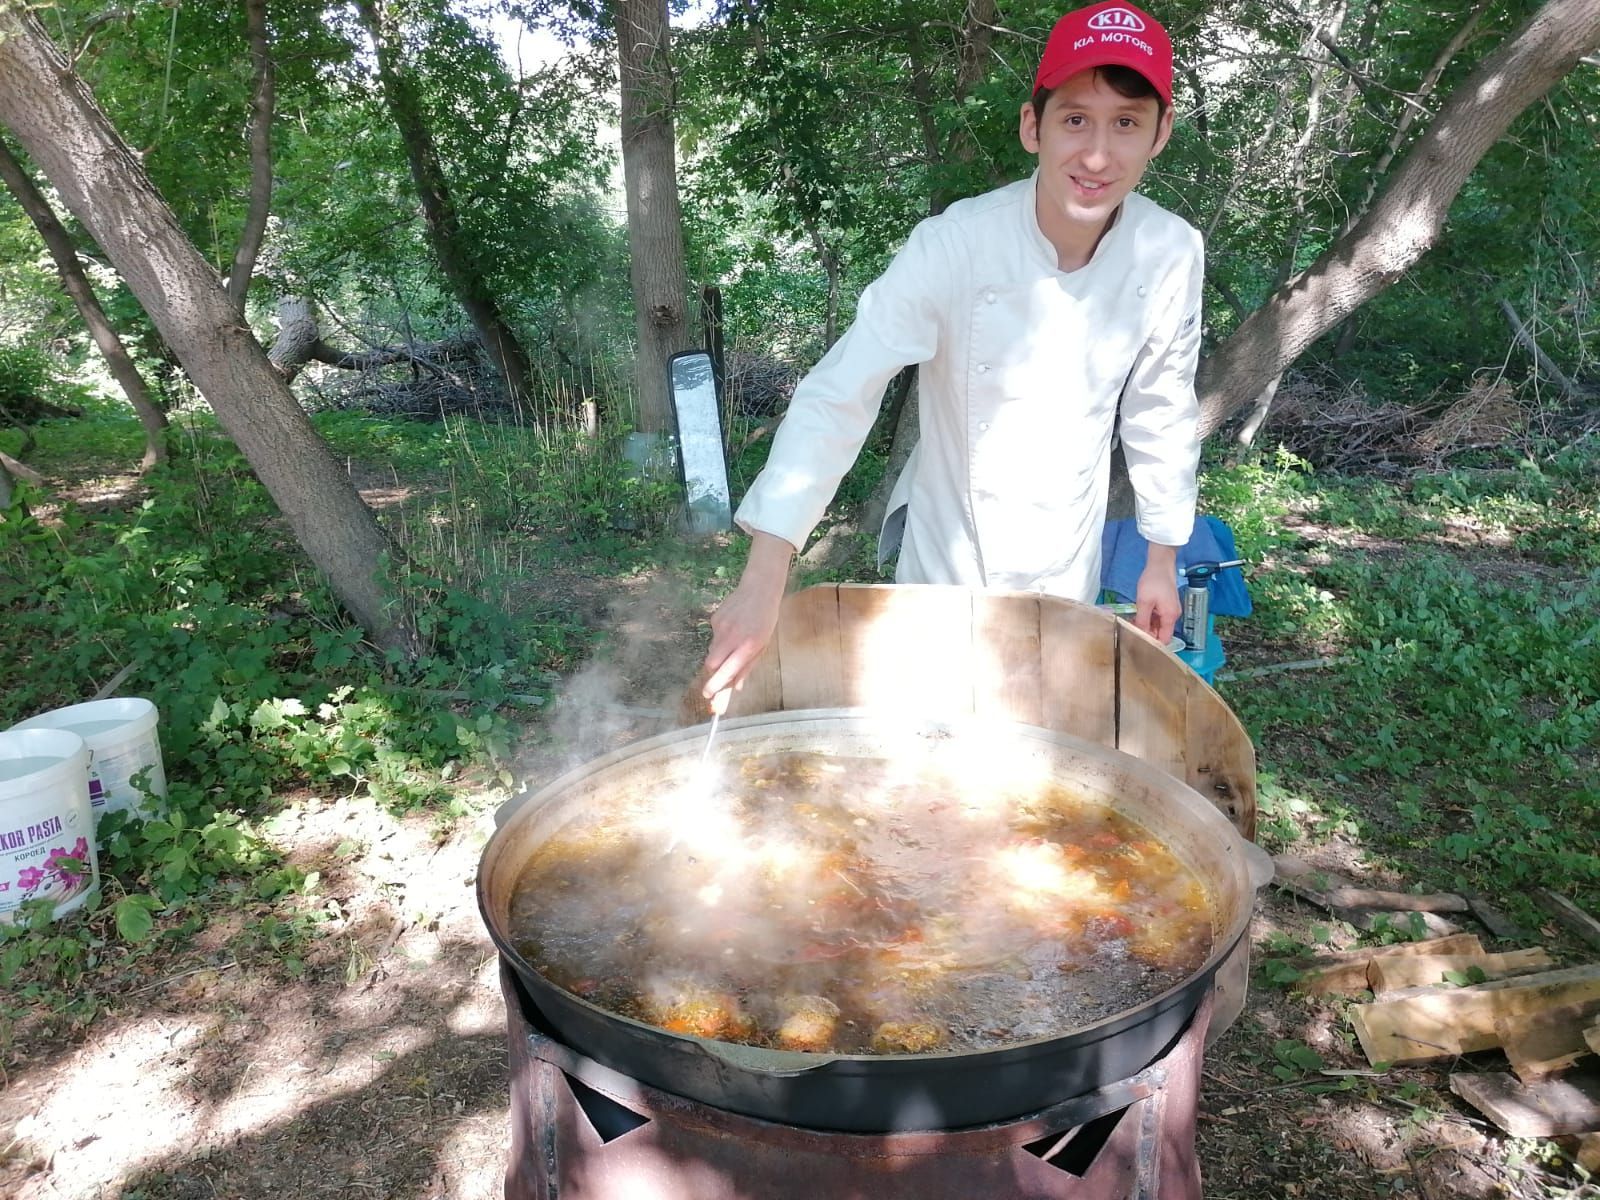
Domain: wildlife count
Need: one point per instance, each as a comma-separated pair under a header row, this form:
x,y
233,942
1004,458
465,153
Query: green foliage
x,y
260,685
1294,1059
1455,727
258,680
551,481
25,375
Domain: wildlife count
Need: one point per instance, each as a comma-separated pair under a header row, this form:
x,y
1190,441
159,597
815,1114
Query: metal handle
x,y
1259,864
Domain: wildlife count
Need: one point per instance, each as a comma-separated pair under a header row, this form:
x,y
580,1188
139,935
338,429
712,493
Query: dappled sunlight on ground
x,y
380,1071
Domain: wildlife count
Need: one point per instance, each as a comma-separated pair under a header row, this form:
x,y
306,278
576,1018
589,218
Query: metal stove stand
x,y
581,1131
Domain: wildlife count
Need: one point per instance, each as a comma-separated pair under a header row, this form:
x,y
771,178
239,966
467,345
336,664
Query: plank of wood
x,y
808,645
1440,1022
1549,1108
905,650
1390,975
1345,973
1548,1042
1078,670
1587,1153
1592,1036
1569,914
1219,759
1300,878
1007,681
1152,701
1495,921
1428,902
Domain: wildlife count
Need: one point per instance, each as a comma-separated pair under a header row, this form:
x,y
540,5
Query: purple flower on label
x,y
80,849
67,866
29,878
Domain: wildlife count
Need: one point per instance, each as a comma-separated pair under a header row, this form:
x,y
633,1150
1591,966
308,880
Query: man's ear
x,y
1163,131
1028,128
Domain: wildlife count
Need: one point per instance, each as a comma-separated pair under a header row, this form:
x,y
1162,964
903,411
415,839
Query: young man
x,y
1043,317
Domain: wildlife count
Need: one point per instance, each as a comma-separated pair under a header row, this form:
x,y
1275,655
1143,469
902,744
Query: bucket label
x,y
55,872
111,774
16,839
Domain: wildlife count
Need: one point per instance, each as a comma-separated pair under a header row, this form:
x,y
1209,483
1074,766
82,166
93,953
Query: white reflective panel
x,y
705,470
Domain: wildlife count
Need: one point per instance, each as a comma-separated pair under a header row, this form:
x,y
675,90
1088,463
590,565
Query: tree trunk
x,y
298,337
55,117
1408,116
300,341
1258,414
1407,219
449,243
261,100
655,222
76,284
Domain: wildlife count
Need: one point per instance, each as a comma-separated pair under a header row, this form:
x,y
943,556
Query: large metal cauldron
x,y
876,1093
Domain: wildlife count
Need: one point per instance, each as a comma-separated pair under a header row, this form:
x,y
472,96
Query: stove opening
x,y
1075,1151
610,1119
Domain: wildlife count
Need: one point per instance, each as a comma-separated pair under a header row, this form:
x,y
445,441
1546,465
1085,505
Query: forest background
x,y
322,329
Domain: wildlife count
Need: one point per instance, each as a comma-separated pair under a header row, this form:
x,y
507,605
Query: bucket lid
x,y
106,717
28,757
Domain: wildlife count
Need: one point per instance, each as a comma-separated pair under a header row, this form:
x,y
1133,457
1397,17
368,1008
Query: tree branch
x,y
1541,360
1408,217
261,103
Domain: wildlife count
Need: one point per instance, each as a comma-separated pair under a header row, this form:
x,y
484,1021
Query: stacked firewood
x,y
1440,999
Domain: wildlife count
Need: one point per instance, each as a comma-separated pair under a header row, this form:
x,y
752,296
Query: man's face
x,y
1093,146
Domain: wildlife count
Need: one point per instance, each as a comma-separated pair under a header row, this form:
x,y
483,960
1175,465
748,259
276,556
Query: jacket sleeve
x,y
834,406
1160,420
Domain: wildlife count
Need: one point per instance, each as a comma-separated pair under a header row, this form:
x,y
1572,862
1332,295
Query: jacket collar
x,y
1042,246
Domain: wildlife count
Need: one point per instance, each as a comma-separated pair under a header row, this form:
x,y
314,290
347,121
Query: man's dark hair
x,y
1124,81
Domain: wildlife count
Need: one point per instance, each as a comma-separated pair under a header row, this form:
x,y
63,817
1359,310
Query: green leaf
x,y
134,917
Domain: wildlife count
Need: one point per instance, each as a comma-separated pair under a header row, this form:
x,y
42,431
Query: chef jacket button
x,y
983,368
1141,289
988,297
983,426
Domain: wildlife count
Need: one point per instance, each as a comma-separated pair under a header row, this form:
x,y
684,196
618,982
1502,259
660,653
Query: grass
x,y
1455,733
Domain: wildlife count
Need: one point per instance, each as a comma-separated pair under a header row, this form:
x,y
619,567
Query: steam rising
x,y
944,895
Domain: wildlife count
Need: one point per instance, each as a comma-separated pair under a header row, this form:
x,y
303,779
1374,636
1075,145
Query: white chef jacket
x,y
1021,368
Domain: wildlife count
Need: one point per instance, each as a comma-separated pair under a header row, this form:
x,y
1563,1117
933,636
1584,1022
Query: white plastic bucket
x,y
122,740
45,817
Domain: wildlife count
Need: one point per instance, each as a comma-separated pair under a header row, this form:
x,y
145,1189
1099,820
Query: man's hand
x,y
743,624
1157,608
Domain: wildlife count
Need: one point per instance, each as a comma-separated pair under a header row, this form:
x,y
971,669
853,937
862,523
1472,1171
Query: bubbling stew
x,y
857,906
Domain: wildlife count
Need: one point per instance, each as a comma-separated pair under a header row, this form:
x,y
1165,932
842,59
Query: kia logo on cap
x,y
1121,19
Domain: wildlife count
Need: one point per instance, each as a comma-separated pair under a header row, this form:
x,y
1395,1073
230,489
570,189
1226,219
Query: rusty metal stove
x,y
581,1131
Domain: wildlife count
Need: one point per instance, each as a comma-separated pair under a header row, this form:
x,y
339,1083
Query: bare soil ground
x,y
381,1071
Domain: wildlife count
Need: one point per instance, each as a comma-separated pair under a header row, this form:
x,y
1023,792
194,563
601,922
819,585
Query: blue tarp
x,y
1122,553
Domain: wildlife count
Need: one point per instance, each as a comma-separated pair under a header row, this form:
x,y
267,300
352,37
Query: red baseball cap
x,y
1107,35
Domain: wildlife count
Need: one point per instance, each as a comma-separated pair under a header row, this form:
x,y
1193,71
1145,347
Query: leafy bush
x,y
26,373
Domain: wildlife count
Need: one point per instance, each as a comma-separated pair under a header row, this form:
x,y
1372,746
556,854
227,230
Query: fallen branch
x,y
1304,664
20,470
